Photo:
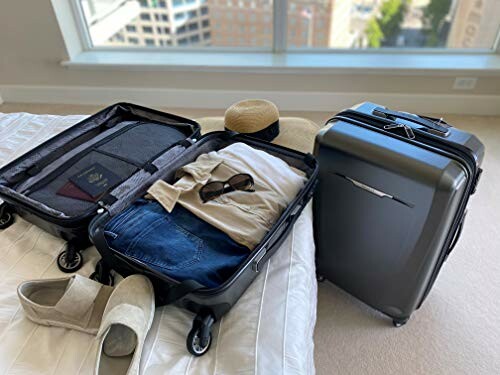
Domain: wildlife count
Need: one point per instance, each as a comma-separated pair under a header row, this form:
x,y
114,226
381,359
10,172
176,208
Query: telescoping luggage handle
x,y
435,128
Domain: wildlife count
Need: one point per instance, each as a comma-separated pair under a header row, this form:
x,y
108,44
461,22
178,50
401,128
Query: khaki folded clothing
x,y
245,216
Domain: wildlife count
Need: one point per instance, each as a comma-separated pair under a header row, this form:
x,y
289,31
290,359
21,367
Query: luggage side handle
x,y
436,128
274,241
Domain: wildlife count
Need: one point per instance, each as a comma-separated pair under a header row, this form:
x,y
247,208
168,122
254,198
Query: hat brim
x,y
295,132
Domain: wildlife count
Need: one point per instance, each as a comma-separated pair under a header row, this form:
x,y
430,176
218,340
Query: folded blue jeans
x,y
177,244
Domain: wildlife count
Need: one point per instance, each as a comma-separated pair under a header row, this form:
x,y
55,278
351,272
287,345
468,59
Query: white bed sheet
x,y
269,330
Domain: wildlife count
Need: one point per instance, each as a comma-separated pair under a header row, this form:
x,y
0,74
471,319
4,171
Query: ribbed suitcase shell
x,y
388,208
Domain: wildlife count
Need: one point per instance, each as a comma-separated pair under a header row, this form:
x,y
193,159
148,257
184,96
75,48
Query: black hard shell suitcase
x,y
208,304
125,138
391,202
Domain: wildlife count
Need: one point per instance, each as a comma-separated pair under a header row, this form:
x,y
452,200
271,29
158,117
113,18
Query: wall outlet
x,y
464,83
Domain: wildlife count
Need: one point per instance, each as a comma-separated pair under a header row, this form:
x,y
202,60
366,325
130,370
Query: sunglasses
x,y
214,189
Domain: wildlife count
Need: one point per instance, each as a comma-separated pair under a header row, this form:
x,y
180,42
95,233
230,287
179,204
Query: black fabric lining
x,y
43,155
143,146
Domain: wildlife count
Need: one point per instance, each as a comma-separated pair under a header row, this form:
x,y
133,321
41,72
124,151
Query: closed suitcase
x,y
209,304
391,202
124,138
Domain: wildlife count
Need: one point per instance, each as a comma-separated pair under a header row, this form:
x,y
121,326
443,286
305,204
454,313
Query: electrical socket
x,y
464,83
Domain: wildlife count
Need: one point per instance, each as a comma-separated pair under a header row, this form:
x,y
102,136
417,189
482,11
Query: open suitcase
x,y
125,138
140,146
391,203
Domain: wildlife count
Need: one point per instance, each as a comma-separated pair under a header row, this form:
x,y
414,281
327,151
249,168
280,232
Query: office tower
x,y
167,23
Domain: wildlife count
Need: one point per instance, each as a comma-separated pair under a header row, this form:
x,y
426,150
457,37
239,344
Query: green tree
x,y
434,15
391,16
384,29
374,34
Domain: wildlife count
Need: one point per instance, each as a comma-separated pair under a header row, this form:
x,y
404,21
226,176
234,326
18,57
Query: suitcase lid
x,y
19,178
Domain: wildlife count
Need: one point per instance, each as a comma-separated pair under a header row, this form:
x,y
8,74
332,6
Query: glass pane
x,y
393,23
196,23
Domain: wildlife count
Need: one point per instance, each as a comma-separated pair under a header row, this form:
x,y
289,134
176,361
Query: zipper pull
x,y
102,207
408,130
392,126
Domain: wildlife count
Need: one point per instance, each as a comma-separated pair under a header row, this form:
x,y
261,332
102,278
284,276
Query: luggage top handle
x,y
434,127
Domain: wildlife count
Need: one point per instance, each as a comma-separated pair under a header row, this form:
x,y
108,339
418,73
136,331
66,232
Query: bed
x,y
269,330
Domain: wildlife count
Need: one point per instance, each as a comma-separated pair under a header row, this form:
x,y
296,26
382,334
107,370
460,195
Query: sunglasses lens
x,y
211,190
241,182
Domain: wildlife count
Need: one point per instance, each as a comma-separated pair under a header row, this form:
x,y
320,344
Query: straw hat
x,y
255,117
294,132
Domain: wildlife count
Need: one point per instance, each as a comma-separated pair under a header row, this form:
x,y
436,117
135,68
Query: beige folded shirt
x,y
245,216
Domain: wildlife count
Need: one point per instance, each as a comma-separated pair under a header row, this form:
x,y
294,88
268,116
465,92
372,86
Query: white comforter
x,y
269,330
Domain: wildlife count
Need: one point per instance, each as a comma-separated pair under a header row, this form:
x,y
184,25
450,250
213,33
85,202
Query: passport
x,y
70,190
95,180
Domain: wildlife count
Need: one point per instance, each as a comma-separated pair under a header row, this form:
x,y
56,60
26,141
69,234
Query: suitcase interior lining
x,y
125,149
137,188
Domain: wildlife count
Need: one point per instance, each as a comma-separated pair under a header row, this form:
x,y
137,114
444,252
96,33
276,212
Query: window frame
x,y
279,41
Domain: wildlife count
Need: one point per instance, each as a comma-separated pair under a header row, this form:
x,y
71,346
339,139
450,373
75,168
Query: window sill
x,y
292,63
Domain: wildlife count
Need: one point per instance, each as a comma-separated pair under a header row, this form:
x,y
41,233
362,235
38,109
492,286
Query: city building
x,y
167,23
234,23
474,24
107,17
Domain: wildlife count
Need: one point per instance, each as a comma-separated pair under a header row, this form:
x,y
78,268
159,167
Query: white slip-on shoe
x,y
125,323
73,302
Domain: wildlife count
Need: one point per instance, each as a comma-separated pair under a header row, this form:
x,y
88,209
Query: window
x,y
394,24
193,26
303,24
133,41
149,42
194,39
